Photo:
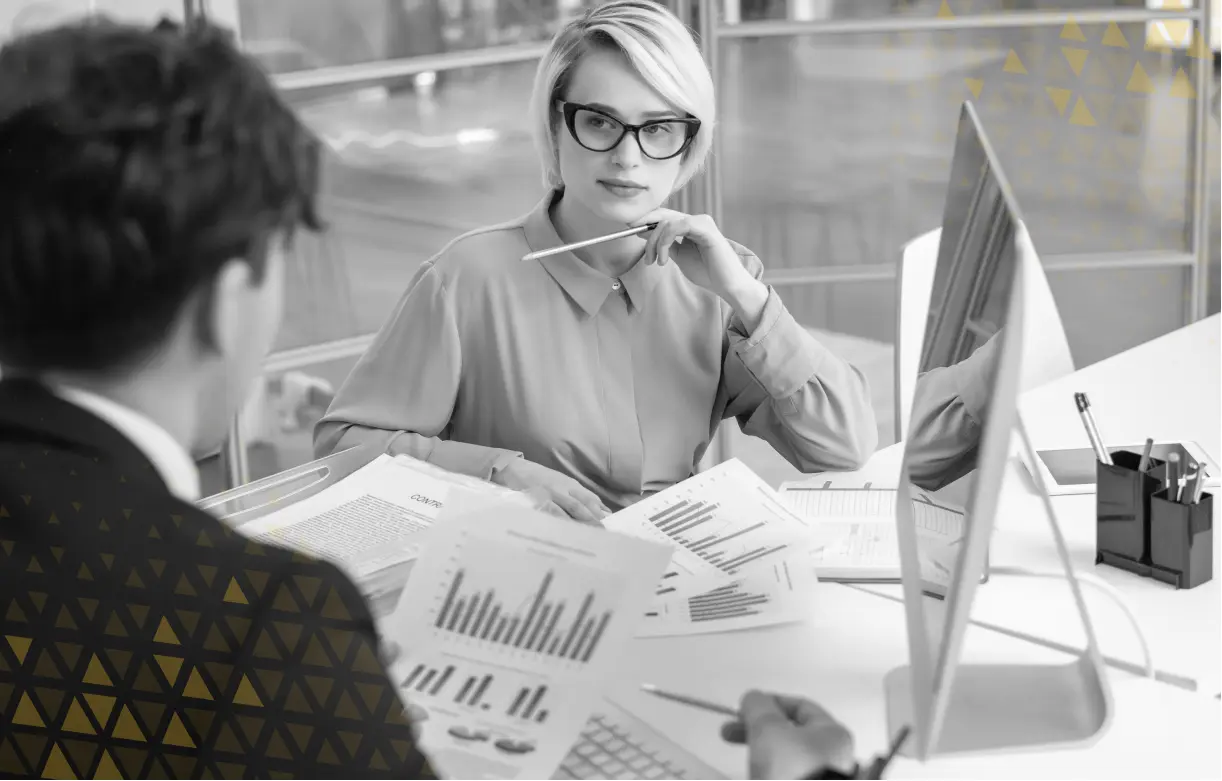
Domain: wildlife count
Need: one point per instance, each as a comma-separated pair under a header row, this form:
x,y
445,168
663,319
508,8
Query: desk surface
x,y
857,635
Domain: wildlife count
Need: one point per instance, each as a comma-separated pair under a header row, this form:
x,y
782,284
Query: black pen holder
x,y
1182,540
1122,508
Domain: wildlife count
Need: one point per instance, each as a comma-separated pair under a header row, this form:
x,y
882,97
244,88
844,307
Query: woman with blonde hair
x,y
599,376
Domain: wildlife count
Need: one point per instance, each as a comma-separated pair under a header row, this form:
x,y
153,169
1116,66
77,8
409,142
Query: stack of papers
x,y
371,523
854,529
740,556
511,626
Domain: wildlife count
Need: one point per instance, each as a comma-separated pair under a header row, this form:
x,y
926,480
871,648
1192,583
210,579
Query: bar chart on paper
x,y
541,607
464,684
725,520
777,594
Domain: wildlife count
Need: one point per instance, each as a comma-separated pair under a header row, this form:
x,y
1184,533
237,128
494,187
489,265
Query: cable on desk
x,y
1102,585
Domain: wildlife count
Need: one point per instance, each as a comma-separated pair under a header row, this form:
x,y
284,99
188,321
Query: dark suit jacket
x,y
142,637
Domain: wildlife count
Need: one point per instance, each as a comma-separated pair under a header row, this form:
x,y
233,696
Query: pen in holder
x,y
1181,540
1122,508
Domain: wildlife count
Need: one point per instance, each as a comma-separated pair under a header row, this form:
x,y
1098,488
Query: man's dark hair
x,y
134,163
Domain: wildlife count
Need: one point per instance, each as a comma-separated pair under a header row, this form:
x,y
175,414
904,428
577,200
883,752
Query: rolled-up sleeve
x,y
813,407
948,409
401,394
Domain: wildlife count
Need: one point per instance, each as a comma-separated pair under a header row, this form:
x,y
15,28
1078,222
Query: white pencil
x,y
590,242
692,701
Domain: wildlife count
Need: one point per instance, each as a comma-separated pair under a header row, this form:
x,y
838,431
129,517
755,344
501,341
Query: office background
x,y
837,119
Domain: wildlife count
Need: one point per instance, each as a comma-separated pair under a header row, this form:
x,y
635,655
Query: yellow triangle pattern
x,y
1076,57
76,720
1013,63
20,646
1113,37
1060,98
101,706
196,687
246,695
1072,32
95,674
170,667
57,765
234,592
1181,87
176,734
27,714
107,767
1081,115
126,727
165,634
975,85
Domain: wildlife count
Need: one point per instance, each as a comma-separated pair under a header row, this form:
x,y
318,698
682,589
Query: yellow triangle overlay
x,y
27,714
1112,36
1140,80
107,767
245,694
944,11
165,634
170,667
76,720
96,674
20,646
1076,57
1081,115
196,687
176,734
1060,97
57,765
234,593
126,727
1181,87
101,705
1013,63
975,85
1071,31
1198,50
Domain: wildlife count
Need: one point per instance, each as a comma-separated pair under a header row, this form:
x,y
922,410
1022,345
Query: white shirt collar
x,y
165,453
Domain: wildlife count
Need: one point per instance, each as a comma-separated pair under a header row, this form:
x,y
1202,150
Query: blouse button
x,y
616,285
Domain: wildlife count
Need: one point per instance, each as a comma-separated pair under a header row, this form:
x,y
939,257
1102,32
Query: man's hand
x,y
551,491
789,737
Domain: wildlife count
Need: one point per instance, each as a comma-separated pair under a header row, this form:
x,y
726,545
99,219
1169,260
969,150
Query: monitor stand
x,y
998,708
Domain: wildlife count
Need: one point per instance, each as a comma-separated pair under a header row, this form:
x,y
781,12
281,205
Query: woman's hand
x,y
705,257
552,492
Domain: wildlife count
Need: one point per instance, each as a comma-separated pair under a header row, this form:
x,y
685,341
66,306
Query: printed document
x,y
371,520
511,624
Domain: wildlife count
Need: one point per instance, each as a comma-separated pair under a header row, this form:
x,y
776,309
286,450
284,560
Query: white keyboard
x,y
616,744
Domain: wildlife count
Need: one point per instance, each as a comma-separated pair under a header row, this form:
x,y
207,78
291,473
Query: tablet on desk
x,y
1072,470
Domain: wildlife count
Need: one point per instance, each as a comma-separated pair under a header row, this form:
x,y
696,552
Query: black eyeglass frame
x,y
569,109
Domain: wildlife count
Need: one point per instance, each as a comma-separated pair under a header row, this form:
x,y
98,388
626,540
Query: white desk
x,y
857,634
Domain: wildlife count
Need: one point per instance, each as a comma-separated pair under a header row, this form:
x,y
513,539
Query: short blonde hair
x,y
659,48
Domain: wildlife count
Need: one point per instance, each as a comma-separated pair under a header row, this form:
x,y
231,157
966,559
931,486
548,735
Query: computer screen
x,y
964,404
987,338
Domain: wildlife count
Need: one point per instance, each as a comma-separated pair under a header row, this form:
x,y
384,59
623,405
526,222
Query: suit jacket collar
x,y
30,413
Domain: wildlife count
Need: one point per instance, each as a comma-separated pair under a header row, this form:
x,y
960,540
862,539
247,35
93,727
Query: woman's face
x,y
623,184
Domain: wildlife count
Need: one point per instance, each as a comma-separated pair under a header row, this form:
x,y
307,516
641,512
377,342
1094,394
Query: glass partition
x,y
845,10
825,173
23,16
405,174
299,35
846,158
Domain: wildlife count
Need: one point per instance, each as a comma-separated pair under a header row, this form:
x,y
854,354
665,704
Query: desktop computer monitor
x,y
981,331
